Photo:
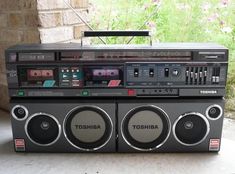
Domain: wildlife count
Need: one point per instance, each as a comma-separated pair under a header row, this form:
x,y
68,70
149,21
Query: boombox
x,y
164,97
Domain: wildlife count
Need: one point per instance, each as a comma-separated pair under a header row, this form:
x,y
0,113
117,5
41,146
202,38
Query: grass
x,y
171,21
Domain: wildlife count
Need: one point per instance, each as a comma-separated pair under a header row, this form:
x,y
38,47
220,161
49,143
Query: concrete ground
x,y
76,163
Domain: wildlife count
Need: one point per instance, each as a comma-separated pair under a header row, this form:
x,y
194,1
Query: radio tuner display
x,y
103,76
38,77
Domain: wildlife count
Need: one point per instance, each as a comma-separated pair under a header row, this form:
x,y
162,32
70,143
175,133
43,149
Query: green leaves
x,y
171,21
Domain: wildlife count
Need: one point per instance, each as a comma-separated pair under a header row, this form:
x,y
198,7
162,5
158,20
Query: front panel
x,y
163,125
117,72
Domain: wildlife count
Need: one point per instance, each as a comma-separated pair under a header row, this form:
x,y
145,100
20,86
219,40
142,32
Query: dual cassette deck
x,y
165,97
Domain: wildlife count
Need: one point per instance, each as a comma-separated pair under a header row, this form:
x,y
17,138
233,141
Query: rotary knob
x,y
175,72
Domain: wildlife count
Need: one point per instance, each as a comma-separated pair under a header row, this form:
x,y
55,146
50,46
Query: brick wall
x,y
58,23
37,21
18,24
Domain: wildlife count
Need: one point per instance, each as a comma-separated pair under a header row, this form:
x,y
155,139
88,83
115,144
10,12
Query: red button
x,y
19,143
131,92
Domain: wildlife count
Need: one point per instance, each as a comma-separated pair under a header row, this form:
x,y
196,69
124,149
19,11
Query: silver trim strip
x,y
184,115
91,106
150,149
211,52
211,106
49,115
185,63
23,107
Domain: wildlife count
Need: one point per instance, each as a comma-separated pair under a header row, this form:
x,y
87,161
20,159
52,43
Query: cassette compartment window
x,y
38,77
103,76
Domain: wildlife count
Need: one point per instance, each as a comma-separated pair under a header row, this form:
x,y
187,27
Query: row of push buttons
x,y
70,77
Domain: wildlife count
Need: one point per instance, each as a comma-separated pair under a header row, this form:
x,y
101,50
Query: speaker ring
x,y
20,106
155,108
184,115
48,115
93,107
211,106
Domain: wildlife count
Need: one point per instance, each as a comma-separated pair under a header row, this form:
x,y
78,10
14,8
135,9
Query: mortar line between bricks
x,y
55,27
63,26
61,9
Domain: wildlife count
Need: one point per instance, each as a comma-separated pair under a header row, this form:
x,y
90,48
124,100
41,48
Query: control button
x,y
65,83
65,76
21,93
213,79
187,72
175,72
200,74
187,75
19,112
205,73
76,83
217,79
166,72
136,72
131,92
85,93
191,75
151,72
196,76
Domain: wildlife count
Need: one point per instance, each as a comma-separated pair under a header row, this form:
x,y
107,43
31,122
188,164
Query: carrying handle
x,y
99,34
115,33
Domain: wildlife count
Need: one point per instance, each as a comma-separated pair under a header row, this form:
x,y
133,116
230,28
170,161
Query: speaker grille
x,y
145,128
43,129
88,128
191,129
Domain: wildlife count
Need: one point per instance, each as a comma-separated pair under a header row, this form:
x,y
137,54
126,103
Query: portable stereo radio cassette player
x,y
163,97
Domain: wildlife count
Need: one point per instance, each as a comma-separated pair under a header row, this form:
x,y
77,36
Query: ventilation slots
x,y
196,75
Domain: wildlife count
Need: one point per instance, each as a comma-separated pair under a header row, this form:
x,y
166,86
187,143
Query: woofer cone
x,y
191,129
145,128
43,129
88,128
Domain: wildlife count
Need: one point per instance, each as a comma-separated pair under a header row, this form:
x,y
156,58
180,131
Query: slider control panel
x,y
174,74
